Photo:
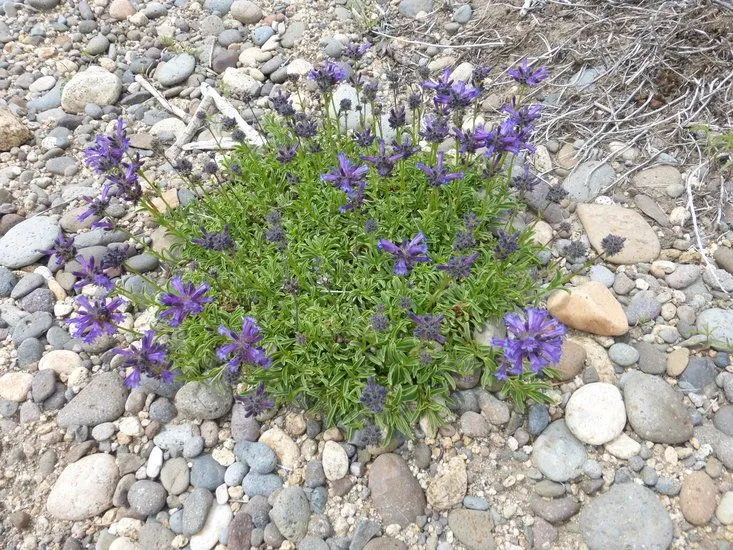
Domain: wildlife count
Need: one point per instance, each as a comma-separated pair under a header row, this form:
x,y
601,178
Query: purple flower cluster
x,y
63,250
106,157
373,396
348,177
149,358
534,339
256,402
328,75
524,74
96,317
406,254
243,347
91,273
459,267
438,175
383,162
215,240
186,299
428,327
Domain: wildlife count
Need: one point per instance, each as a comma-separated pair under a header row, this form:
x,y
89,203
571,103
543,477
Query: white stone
x,y
595,413
170,125
61,361
223,456
285,448
95,85
335,461
155,463
724,512
84,489
238,81
14,386
215,527
299,67
122,543
130,425
623,447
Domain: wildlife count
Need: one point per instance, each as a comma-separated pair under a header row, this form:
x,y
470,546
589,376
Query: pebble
x,y
590,307
472,528
246,12
651,359
623,447
655,411
715,323
174,475
203,401
623,355
410,8
206,472
175,70
84,489
402,507
235,473
195,510
260,458
595,413
557,453
335,461
21,245
261,484
290,513
102,400
146,497
724,511
555,511
94,85
14,386
628,515
448,488
214,529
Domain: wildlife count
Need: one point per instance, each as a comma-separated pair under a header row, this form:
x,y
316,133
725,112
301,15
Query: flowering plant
x,y
361,252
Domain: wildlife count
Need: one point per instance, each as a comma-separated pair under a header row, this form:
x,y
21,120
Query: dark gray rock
x,y
290,513
654,410
643,307
34,325
29,351
26,285
699,374
258,484
102,400
195,509
627,516
261,459
652,360
41,299
206,472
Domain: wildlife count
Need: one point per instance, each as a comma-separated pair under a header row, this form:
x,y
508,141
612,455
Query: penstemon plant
x,y
348,264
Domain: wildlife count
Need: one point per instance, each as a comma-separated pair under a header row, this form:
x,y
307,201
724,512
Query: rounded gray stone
x,y
147,497
557,453
623,354
290,513
206,472
195,509
261,458
24,243
627,516
203,401
176,70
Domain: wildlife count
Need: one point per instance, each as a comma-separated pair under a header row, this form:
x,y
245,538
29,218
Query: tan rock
x,y
567,157
14,386
677,361
449,487
597,358
571,362
600,220
12,131
285,448
657,177
121,9
84,489
590,307
697,498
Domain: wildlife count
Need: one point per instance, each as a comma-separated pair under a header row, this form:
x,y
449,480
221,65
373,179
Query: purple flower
x,y
282,104
148,358
427,327
356,51
371,225
287,154
442,85
373,396
525,115
186,300
328,75
470,141
91,274
407,254
364,138
397,117
507,245
501,140
370,435
383,162
414,100
369,90
305,127
108,151
63,250
459,267
346,176
612,244
256,402
127,181
525,75
458,96
526,181
215,240
480,73
464,240
356,198
438,175
242,348
380,322
533,336
436,129
115,257
98,205
405,149
96,317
